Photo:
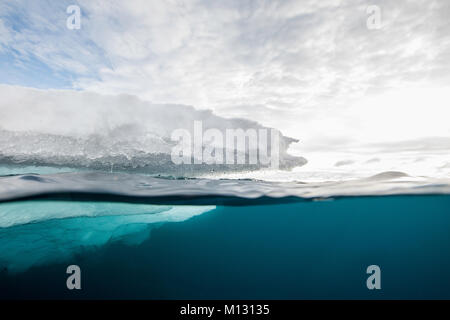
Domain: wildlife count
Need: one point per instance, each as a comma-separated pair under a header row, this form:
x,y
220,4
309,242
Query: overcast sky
x,y
312,69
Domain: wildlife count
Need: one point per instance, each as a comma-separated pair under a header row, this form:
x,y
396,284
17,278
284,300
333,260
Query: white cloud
x,y
309,67
5,35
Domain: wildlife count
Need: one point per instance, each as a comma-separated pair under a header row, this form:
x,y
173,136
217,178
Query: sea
x,y
138,236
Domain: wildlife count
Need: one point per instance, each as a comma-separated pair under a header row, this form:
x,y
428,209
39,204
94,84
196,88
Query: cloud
x,y
344,163
212,54
309,67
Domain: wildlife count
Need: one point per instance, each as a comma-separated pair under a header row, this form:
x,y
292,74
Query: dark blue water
x,y
298,250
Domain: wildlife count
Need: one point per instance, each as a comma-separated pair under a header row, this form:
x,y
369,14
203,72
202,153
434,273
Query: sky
x,y
319,71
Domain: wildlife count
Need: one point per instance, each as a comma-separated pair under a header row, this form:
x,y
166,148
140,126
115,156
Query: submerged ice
x,y
34,233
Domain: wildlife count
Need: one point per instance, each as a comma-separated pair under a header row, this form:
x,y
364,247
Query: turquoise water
x,y
294,250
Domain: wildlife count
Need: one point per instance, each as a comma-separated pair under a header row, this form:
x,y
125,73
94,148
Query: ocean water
x,y
142,237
